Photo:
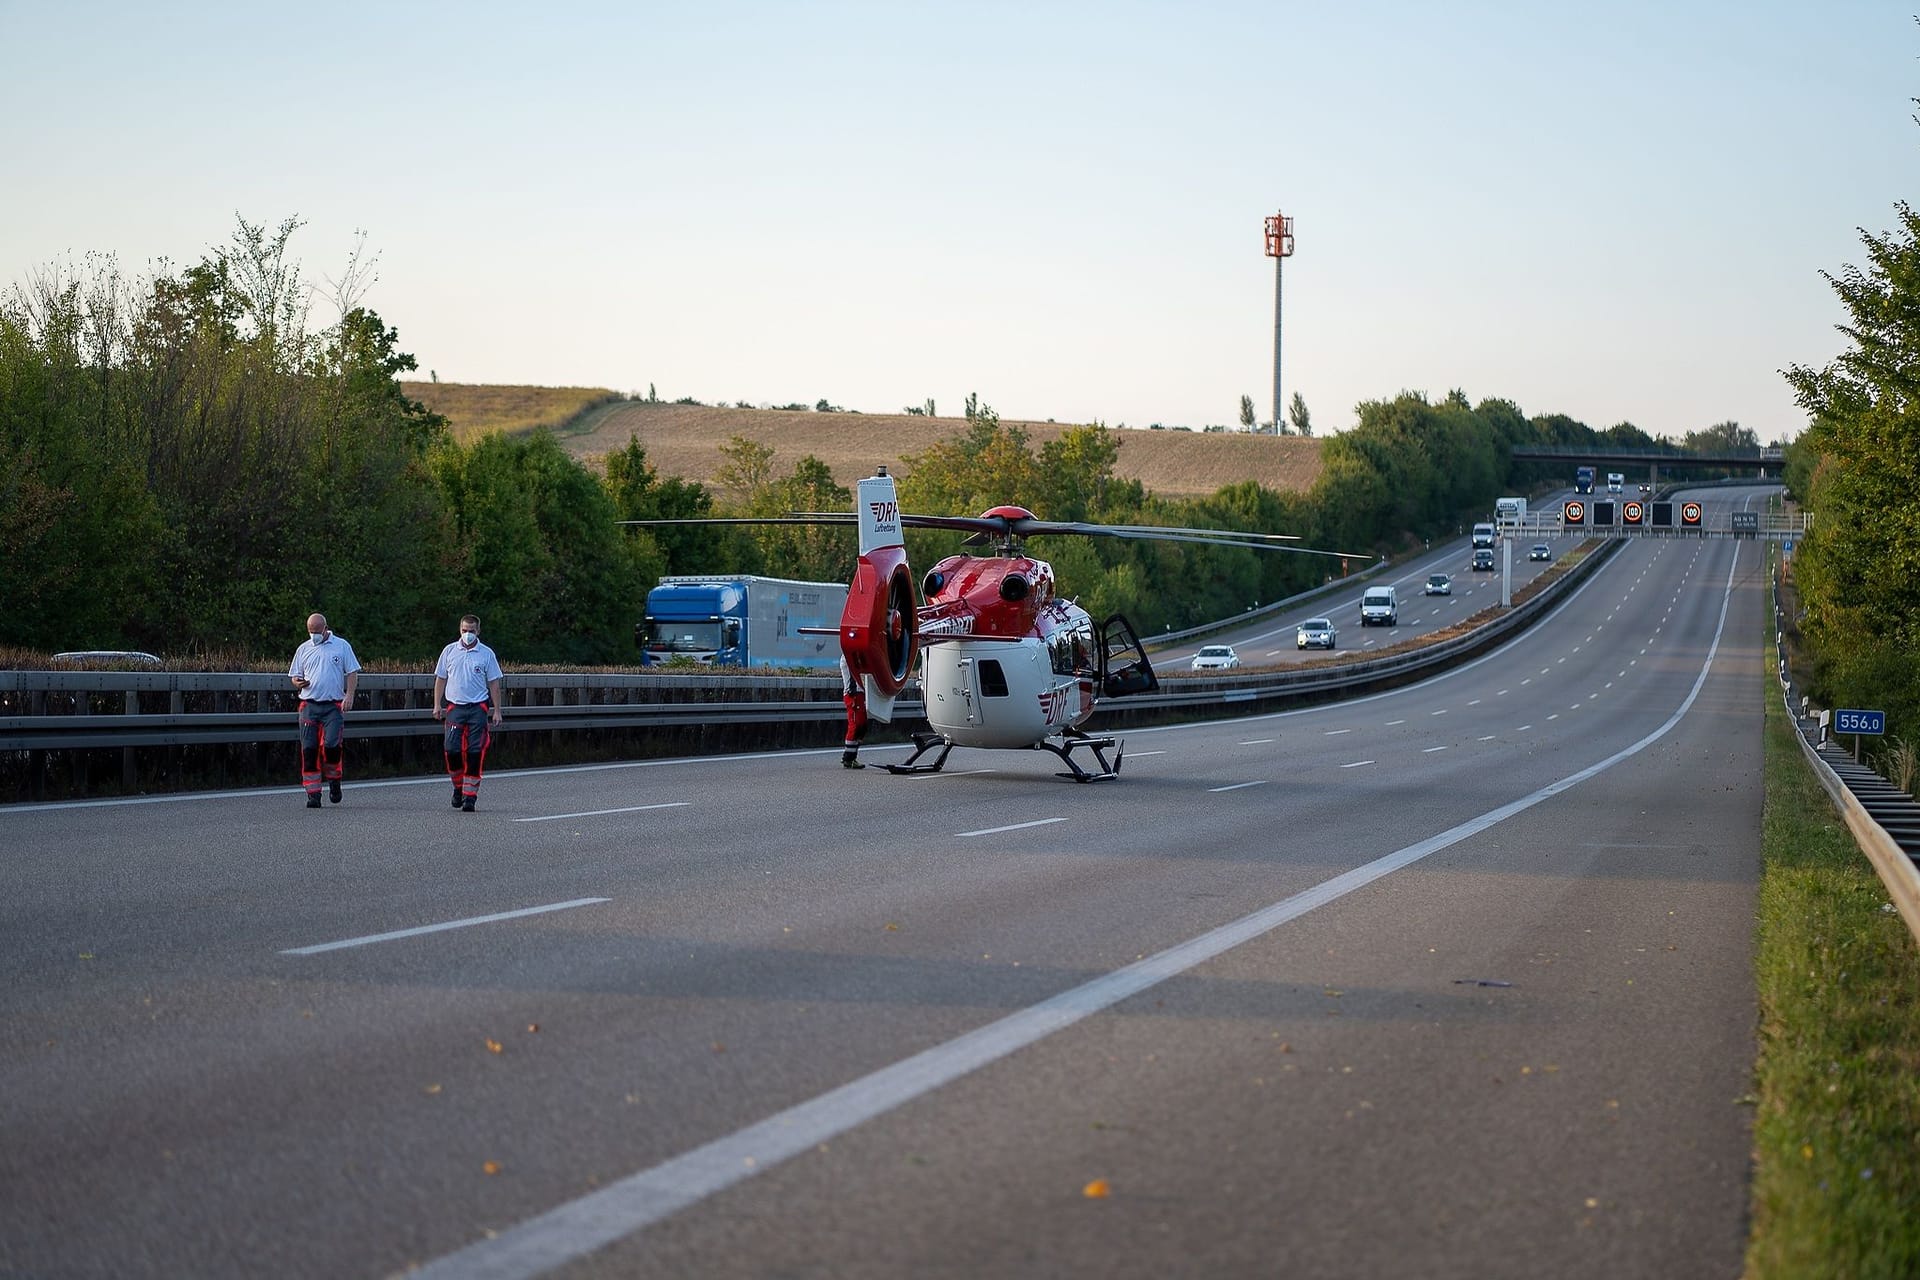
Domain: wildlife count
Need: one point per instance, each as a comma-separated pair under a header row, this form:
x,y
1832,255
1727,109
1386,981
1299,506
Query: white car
x,y
1315,633
1216,657
1439,584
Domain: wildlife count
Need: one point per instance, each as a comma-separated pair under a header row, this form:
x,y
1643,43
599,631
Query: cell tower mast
x,y
1279,248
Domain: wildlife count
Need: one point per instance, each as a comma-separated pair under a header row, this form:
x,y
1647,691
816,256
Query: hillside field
x,y
684,440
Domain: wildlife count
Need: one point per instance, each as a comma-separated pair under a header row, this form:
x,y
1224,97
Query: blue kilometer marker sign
x,y
1874,722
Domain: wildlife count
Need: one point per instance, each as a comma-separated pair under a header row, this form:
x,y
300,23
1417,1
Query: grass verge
x,y
1836,1187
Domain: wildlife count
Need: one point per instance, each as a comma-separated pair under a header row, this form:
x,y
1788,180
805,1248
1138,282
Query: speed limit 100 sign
x,y
1574,513
1690,513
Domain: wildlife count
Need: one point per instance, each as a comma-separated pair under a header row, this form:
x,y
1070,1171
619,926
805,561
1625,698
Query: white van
x,y
1484,535
1379,605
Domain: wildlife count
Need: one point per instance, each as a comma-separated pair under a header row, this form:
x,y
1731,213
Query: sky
x,y
1615,211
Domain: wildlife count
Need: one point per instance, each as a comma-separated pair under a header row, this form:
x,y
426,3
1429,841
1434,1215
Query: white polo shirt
x,y
467,671
326,666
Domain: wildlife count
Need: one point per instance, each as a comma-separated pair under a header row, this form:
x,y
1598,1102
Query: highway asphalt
x,y
1449,981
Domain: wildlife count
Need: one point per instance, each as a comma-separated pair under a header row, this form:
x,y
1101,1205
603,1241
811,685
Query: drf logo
x,y
885,514
1053,704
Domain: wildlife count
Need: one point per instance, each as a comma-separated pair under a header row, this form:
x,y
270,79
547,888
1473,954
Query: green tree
x,y
1298,415
1248,419
1858,563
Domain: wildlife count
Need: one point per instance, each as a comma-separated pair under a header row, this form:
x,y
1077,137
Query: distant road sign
x,y
1747,522
1662,515
1871,722
1574,513
1631,513
1690,514
1787,547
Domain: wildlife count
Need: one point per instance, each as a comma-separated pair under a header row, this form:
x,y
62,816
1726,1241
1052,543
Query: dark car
x,y
1483,561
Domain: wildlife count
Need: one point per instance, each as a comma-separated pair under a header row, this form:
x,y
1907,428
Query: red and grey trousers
x,y
321,725
468,735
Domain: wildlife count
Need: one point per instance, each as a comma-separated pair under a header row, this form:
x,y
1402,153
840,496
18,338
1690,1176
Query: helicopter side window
x,y
993,681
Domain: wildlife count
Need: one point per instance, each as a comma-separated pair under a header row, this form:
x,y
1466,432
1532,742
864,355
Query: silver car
x,y
1314,633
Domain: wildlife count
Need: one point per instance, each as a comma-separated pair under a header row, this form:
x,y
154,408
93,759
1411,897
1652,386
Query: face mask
x,y
316,636
469,639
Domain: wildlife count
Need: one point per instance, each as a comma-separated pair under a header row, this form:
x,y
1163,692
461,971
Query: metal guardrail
x,y
1897,869
1261,611
571,699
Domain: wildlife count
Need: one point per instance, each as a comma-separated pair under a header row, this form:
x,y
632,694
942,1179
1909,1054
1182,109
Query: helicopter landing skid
x,y
1073,740
923,743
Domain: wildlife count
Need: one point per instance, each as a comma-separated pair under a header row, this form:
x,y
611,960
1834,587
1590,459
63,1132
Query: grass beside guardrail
x,y
1837,1135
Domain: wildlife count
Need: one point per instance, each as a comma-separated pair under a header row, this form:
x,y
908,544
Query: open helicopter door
x,y
1124,668
878,624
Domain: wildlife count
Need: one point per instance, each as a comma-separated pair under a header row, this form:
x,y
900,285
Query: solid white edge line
x,y
578,1227
595,813
1018,826
372,938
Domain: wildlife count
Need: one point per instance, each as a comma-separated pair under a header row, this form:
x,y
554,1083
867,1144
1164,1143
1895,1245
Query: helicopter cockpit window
x,y
1072,648
993,681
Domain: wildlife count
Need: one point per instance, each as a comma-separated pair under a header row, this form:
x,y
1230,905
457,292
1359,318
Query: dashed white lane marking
x,y
1474,703
962,773
1256,742
1392,723
1135,755
1523,728
1332,732
595,813
1427,751
576,1228
1442,711
1238,785
1554,716
1357,763
372,938
1488,738
1017,826
1501,694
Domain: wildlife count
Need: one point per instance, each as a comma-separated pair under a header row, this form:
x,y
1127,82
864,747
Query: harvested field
x,y
684,440
473,410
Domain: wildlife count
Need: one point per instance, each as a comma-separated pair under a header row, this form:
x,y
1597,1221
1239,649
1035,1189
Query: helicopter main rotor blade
x,y
985,528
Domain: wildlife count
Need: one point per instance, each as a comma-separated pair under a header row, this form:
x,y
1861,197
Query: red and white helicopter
x,y
1005,662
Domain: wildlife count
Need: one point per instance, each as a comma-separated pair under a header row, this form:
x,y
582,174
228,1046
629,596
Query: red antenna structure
x,y
1279,248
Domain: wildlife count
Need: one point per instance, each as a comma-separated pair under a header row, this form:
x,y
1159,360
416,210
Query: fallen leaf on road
x,y
433,1088
1097,1189
892,927
490,1168
533,1028
494,1046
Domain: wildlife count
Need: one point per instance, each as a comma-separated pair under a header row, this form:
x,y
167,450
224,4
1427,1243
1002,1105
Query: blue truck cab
x,y
742,620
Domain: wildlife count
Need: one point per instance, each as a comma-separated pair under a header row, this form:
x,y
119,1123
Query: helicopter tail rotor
x,y
877,627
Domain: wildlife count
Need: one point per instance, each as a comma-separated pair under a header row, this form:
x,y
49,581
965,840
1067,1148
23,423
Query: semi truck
x,y
1583,479
741,620
1509,513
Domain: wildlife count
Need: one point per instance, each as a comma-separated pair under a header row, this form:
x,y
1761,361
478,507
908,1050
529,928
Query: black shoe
x,y
333,791
466,806
313,802
848,762
458,799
